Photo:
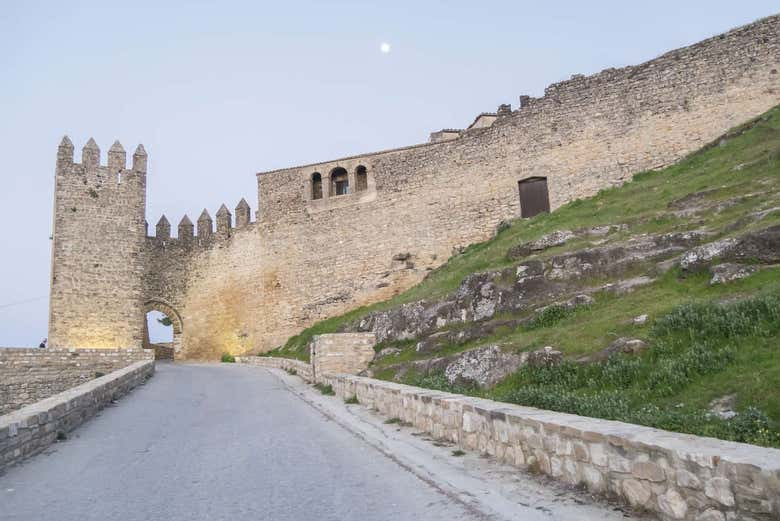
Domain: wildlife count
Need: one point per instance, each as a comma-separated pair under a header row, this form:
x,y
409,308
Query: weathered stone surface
x,y
616,259
728,272
637,493
342,353
484,366
760,246
648,470
461,335
640,320
672,504
701,255
387,351
724,406
711,515
618,463
598,455
546,356
594,478
688,479
719,489
622,345
556,238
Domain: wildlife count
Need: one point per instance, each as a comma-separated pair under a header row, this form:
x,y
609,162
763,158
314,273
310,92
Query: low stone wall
x,y
302,369
31,429
342,353
676,476
28,375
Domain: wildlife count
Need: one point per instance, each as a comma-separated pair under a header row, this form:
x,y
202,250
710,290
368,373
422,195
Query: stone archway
x,y
176,323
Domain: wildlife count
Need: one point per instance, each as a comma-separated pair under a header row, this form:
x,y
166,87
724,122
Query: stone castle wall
x,y
96,289
28,375
250,288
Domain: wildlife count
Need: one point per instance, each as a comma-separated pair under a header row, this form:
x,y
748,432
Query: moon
x,y
384,48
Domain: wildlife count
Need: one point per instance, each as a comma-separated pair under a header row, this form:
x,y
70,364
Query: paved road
x,y
217,442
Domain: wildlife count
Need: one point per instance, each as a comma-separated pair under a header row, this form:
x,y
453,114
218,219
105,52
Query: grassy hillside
x,y
728,189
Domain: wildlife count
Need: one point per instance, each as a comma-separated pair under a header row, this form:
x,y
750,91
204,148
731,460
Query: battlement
x,y
95,178
206,234
90,156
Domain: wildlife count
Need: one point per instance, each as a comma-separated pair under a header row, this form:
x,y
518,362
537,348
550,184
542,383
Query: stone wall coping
x,y
688,446
341,335
63,398
64,350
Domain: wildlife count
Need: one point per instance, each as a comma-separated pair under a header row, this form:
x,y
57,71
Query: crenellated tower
x,y
98,239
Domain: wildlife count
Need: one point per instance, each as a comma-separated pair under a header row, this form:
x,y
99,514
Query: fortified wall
x,y
332,236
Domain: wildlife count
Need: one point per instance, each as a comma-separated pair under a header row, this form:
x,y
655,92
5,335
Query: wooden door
x,y
534,198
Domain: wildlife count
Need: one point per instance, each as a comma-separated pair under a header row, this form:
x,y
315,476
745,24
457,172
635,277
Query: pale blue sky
x,y
217,91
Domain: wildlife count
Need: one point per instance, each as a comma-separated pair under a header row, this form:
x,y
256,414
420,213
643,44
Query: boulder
x,y
624,345
639,320
484,366
724,406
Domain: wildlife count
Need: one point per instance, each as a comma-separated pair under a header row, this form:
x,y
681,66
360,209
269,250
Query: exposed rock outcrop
x,y
525,286
483,367
624,345
728,272
762,246
556,238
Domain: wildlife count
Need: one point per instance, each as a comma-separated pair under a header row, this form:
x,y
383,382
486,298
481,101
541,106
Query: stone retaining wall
x,y
31,429
342,353
302,369
677,476
28,375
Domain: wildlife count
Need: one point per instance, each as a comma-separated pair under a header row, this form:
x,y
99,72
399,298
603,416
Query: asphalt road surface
x,y
217,442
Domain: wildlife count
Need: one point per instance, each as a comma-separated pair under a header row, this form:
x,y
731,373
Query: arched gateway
x,y
176,323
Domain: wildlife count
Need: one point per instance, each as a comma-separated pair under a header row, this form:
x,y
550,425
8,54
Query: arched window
x,y
339,181
361,179
316,186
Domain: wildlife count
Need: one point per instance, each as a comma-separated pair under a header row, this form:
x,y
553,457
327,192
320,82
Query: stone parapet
x,y
676,476
302,369
30,430
28,375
